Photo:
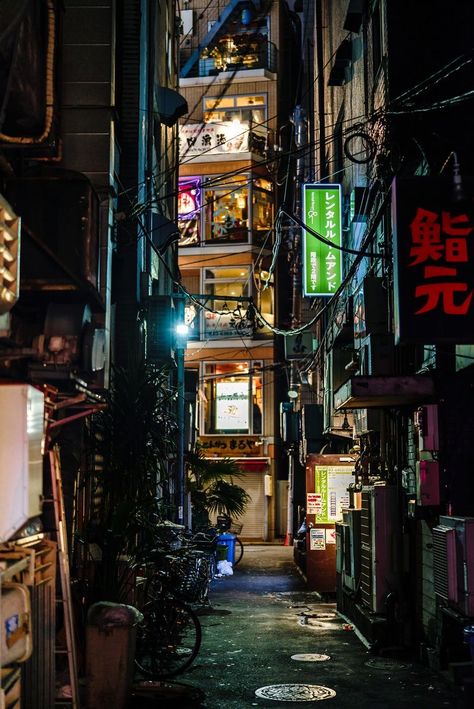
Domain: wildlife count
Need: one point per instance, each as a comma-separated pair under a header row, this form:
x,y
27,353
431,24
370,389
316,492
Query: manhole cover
x,y
379,663
310,657
295,692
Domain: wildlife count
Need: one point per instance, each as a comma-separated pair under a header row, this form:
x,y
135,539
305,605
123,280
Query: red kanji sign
x,y
434,263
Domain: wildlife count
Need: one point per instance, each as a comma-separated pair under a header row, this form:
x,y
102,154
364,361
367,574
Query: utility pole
x,y
300,134
181,332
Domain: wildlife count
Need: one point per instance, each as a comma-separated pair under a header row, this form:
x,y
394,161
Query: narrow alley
x,y
268,642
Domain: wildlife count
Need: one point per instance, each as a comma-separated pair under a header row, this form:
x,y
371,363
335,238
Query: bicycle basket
x,y
188,576
235,528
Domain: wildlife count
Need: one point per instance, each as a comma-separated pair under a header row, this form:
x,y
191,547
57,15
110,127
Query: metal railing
x,y
263,56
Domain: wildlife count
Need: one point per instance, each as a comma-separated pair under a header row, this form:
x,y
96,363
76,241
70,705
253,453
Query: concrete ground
x,y
260,618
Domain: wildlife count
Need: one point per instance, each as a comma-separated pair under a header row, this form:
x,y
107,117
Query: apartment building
x,y
237,76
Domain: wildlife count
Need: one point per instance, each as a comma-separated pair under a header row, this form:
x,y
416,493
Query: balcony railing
x,y
260,54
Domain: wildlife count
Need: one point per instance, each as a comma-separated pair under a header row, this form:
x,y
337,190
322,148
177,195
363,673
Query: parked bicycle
x,y
169,638
215,537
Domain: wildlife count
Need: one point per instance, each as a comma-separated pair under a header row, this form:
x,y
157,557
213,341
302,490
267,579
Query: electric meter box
x,y
21,456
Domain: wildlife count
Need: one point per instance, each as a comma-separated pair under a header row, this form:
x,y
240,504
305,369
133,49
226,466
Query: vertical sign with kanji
x,y
331,483
433,262
322,262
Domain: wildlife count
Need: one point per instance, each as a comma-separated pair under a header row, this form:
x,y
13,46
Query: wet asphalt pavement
x,y
263,616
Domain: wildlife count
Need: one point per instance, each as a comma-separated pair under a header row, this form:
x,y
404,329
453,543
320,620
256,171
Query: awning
x,y
170,105
389,392
253,465
164,232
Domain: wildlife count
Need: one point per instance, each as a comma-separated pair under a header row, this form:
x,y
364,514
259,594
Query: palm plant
x,y
210,483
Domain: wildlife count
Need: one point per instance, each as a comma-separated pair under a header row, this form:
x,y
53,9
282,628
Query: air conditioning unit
x,y
426,423
160,336
427,482
380,544
453,562
352,543
312,427
289,423
376,355
69,341
370,308
366,420
341,536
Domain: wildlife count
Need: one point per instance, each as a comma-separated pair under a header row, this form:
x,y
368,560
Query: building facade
x,y
237,75
392,91
87,162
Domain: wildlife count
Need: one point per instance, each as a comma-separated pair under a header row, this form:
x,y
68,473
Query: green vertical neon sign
x,y
322,263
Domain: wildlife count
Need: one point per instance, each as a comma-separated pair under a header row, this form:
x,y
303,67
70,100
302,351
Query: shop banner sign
x,y
203,139
331,483
433,252
232,406
322,260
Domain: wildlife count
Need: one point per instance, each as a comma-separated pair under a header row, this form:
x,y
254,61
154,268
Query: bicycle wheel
x,y
168,640
239,551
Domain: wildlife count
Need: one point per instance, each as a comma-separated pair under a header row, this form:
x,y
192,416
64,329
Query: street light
x,y
182,331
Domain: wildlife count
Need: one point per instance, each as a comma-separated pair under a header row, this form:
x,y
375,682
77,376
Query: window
x,y
250,109
233,398
265,301
228,316
226,210
262,210
376,39
189,211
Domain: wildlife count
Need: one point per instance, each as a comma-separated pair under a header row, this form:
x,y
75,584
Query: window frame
x,y
208,411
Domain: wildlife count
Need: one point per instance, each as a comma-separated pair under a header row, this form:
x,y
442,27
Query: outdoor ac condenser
x,y
352,518
453,562
380,545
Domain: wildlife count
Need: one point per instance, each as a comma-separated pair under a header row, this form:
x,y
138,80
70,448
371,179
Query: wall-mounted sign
x,y
331,483
231,446
330,535
313,503
322,262
232,406
317,539
433,261
298,346
189,210
213,138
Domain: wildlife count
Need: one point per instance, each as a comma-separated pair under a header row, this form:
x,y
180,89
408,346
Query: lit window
x,y
226,210
226,316
233,398
246,109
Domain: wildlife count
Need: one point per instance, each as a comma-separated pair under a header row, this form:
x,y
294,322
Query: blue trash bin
x,y
468,634
228,540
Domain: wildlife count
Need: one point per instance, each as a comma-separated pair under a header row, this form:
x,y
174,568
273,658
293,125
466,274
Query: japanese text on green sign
x,y
331,483
322,263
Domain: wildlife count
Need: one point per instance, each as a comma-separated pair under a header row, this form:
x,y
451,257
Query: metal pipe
x,y
180,477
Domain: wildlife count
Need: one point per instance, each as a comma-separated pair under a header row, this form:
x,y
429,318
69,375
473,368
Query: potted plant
x,y
210,483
